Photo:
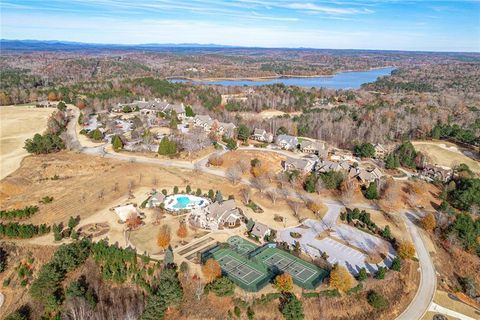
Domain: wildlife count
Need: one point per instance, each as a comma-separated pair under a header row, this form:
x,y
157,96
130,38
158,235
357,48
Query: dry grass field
x,y
446,154
18,123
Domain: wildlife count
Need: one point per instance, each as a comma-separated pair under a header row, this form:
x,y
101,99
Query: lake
x,y
341,80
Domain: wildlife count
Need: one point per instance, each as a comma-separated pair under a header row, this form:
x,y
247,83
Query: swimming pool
x,y
178,202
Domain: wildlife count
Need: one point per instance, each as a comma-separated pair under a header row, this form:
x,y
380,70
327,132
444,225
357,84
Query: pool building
x,y
217,215
252,267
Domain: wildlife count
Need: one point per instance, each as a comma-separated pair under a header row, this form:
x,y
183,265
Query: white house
x,y
287,142
217,215
262,135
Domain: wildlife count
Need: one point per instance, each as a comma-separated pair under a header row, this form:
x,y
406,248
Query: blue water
x,y
182,202
341,80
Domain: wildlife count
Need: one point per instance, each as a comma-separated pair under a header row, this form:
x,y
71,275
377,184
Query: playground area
x,y
252,267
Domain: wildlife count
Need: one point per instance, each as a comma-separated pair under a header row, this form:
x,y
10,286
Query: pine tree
x,y
371,193
117,143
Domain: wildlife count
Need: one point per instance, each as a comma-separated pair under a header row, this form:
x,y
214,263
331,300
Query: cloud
x,y
327,10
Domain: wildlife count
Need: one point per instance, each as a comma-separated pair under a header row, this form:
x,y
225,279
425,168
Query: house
x,y
380,151
152,107
260,230
208,124
313,147
46,104
365,177
155,200
217,215
287,142
139,145
432,172
327,165
262,135
305,164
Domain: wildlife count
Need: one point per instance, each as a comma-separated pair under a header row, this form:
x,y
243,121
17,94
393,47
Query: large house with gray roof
x,y
217,215
287,142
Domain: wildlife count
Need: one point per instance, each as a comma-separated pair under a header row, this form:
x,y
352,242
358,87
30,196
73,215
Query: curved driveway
x,y
428,279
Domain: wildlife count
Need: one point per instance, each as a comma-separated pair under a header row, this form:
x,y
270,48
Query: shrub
x,y
376,300
380,273
291,307
396,264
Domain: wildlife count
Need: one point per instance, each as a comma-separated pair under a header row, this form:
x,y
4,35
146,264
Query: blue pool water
x,y
341,80
182,202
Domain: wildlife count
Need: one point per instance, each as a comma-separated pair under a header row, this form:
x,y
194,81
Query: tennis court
x,y
236,268
304,274
241,270
241,246
251,267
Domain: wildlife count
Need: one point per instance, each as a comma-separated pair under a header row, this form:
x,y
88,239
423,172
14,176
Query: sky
x,y
336,24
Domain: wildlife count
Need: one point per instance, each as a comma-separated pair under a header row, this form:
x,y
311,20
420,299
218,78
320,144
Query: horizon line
x,y
206,45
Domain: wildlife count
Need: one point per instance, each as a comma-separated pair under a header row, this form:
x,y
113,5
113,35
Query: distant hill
x,y
55,45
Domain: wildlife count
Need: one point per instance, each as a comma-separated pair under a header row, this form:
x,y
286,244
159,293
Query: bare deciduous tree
x,y
348,190
77,309
234,174
295,206
246,194
258,183
244,165
273,194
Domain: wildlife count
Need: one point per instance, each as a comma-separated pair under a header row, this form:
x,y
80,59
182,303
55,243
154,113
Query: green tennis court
x,y
251,267
304,274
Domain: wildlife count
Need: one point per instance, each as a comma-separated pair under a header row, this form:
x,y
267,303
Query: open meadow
x,y
18,123
446,154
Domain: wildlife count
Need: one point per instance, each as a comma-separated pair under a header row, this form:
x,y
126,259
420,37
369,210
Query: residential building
x,y
260,230
209,125
432,172
217,215
287,142
262,135
155,200
313,147
304,165
380,151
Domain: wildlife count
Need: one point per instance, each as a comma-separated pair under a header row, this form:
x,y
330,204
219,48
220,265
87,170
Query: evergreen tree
x,y
168,259
291,307
396,264
167,147
371,192
117,143
243,133
362,274
189,111
218,197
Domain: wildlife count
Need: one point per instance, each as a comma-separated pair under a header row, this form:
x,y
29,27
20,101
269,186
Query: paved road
x,y
428,279
439,309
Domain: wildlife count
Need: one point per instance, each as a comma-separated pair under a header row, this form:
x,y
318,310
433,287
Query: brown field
x,y
270,160
268,114
446,154
18,123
